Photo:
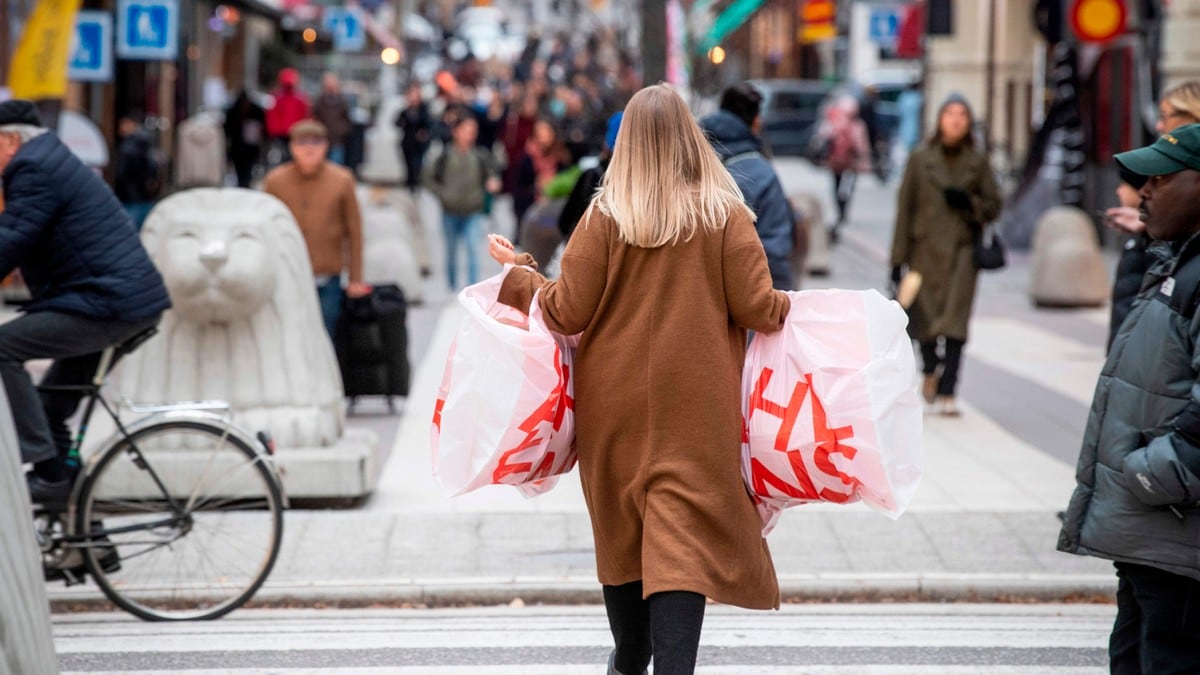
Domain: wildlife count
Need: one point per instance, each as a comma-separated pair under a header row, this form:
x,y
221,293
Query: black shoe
x,y
49,493
612,670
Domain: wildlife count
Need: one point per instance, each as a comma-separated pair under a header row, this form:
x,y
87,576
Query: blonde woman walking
x,y
663,276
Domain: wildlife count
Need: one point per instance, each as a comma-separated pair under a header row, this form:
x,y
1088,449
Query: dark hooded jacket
x,y
76,247
1137,498
741,152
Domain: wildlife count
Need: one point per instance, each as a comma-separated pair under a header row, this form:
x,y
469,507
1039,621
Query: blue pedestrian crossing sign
x,y
148,30
91,48
347,29
885,26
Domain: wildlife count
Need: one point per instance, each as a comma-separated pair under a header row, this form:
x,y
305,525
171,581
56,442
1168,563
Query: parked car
x,y
790,111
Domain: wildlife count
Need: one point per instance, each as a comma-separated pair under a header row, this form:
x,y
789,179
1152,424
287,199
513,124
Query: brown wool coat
x,y
325,207
936,240
657,390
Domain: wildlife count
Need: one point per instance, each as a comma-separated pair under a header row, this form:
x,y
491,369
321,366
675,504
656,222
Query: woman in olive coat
x,y
947,196
663,276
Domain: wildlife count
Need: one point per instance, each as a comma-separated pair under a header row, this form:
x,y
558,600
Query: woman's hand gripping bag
x,y
505,411
830,411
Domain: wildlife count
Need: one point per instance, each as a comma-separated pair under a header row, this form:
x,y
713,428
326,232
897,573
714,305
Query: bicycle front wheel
x,y
185,521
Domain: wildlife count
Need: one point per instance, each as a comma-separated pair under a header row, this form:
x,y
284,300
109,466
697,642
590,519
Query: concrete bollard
x,y
816,262
1068,269
26,640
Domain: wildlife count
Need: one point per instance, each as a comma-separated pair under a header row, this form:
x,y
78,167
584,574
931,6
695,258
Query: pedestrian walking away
x,y
245,128
461,178
1138,476
416,131
733,131
322,198
92,282
948,194
845,150
658,376
136,181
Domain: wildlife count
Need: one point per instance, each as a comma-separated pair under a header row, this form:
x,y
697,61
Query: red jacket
x,y
290,107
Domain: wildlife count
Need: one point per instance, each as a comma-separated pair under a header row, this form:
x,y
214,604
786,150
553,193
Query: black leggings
x,y
666,625
950,362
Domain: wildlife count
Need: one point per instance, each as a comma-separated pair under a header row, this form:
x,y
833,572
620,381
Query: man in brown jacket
x,y
322,198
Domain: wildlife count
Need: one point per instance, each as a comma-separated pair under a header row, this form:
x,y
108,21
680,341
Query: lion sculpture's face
x,y
218,267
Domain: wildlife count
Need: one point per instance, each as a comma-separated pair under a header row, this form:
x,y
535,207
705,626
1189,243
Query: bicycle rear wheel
x,y
194,517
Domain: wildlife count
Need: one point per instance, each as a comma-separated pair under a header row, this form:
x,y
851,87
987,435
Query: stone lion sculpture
x,y
245,326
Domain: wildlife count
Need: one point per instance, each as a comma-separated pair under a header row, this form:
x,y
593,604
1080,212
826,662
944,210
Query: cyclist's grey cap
x,y
19,111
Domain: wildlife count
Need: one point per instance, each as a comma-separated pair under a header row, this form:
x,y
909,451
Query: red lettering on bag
x,y
828,442
437,414
543,469
787,414
553,410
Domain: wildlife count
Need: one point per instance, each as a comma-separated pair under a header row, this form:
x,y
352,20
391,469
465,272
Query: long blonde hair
x,y
664,179
1184,97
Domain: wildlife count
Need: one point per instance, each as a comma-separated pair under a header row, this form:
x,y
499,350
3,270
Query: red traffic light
x,y
1097,20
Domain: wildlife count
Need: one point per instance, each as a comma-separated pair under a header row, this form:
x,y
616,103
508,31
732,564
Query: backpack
x,y
439,174
841,147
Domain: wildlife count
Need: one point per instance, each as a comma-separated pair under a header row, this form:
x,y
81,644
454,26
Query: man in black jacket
x,y
92,282
1137,498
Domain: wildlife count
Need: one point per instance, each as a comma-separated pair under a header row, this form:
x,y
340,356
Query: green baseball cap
x,y
1172,152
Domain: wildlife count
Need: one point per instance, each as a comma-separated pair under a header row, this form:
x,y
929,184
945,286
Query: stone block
x,y
1068,269
245,328
816,263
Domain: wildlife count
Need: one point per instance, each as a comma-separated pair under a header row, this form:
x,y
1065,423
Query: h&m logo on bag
x,y
1168,287
830,441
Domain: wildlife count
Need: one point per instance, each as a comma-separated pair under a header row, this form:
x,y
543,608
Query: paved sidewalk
x,y
982,525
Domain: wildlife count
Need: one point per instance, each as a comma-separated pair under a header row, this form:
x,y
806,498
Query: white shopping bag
x,y
505,413
829,406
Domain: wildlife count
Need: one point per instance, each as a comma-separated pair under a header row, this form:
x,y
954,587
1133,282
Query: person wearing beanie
x,y
589,181
733,132
93,286
948,194
1138,474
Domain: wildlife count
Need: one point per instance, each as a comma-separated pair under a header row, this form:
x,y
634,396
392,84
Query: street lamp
x,y
309,35
390,56
717,55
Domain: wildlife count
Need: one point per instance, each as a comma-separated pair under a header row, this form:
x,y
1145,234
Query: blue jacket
x,y
77,249
731,138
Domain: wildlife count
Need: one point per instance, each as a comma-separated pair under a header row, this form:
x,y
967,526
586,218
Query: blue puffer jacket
x,y
76,247
732,139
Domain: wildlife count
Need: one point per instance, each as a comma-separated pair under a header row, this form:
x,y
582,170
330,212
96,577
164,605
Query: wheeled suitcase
x,y
371,341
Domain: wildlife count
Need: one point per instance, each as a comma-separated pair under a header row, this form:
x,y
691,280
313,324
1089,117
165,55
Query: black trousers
x,y
74,342
666,626
1157,631
843,191
950,361
414,159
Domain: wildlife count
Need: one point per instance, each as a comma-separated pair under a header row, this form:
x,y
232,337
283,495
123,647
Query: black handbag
x,y
989,249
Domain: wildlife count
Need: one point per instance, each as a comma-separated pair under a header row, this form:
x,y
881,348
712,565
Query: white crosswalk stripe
x,y
812,639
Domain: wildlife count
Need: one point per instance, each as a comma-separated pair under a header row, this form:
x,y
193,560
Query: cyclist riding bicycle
x,y
92,285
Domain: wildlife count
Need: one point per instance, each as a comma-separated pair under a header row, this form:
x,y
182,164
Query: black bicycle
x,y
179,516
